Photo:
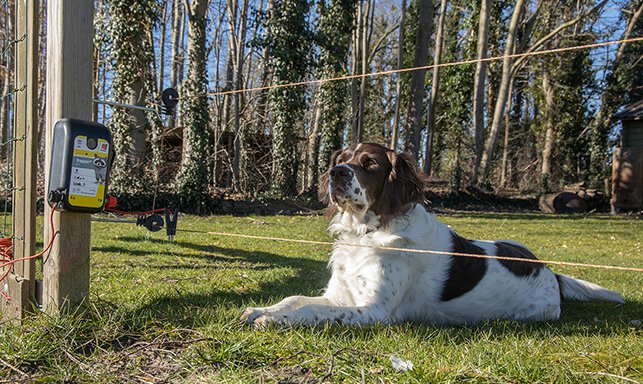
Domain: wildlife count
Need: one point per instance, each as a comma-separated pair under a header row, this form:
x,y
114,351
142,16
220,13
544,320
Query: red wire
x,y
7,260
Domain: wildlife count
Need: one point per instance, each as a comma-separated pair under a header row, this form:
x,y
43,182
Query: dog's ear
x,y
409,185
324,178
402,187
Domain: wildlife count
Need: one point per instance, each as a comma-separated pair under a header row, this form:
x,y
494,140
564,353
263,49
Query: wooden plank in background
x,y
20,284
627,179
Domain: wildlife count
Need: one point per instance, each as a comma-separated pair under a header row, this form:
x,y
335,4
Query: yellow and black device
x,y
81,155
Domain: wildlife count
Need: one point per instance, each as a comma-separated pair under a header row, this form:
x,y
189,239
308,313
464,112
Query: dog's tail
x,y
577,289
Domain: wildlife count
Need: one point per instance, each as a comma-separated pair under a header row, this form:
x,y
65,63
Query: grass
x,y
167,312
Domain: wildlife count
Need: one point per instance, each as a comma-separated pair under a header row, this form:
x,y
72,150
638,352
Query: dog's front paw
x,y
260,318
250,314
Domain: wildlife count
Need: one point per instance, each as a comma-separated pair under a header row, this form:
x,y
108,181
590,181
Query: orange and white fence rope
x,y
458,254
423,67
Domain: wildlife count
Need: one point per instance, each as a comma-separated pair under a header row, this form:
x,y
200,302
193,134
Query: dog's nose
x,y
341,172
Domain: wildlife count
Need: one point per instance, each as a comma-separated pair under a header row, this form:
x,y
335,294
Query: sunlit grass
x,y
168,312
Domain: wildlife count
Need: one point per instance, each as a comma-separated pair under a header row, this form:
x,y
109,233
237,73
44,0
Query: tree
x,y
453,107
336,24
479,81
567,79
289,47
129,27
490,143
176,62
435,88
237,48
548,146
398,77
414,116
192,178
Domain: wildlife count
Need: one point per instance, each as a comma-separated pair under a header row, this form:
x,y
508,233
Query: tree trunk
x,y
253,37
97,65
435,89
414,115
357,43
509,123
505,147
545,171
501,101
192,179
265,78
336,23
161,76
229,99
312,165
239,61
479,82
398,78
217,104
364,47
290,47
132,83
138,96
175,62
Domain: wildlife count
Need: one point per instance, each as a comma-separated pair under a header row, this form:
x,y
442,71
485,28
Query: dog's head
x,y
369,177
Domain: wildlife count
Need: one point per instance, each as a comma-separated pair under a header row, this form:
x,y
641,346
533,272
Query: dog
x,y
376,197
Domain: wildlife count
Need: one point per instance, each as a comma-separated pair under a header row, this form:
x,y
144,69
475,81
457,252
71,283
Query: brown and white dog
x,y
376,195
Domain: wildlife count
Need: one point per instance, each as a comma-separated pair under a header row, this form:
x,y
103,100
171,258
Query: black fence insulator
x,y
170,99
153,223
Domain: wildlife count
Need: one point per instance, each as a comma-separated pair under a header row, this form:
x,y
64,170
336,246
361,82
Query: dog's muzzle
x,y
341,173
342,184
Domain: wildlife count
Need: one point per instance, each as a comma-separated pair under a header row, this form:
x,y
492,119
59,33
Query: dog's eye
x,y
370,163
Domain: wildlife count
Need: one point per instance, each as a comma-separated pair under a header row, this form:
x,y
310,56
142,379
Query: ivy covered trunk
x,y
337,22
289,48
333,98
192,179
129,27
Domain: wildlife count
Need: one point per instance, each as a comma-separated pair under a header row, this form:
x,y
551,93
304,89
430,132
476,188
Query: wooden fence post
x,y
20,283
70,33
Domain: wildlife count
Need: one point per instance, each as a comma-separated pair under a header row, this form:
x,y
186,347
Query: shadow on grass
x,y
214,254
309,277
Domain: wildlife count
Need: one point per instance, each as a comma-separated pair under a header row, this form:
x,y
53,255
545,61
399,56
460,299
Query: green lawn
x,y
168,312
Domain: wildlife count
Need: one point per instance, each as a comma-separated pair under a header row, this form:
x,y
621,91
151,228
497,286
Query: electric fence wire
x,y
426,251
411,69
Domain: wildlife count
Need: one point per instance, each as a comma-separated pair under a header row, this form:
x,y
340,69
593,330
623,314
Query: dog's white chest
x,y
355,272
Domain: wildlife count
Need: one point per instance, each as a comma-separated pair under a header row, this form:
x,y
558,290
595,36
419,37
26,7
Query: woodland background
x,y
527,124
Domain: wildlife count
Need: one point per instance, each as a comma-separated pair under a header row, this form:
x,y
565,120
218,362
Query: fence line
x,y
423,67
457,254
13,42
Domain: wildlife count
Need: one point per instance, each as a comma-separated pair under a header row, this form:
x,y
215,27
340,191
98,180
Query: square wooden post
x,y
70,31
20,283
